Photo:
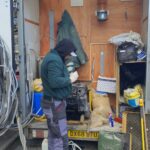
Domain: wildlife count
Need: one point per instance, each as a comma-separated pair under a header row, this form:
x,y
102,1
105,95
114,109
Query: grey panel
x,y
22,65
147,98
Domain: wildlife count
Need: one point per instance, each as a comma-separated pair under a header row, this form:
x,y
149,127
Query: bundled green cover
x,y
67,29
113,141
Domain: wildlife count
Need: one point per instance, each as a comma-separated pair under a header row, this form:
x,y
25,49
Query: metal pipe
x,y
147,93
22,65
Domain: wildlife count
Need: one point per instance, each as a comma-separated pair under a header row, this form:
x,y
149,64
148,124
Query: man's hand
x,y
74,76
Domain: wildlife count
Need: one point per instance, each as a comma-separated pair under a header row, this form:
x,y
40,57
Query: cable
x,y
74,146
21,134
9,86
8,96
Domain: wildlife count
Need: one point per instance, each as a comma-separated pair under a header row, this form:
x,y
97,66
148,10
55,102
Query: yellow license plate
x,y
78,134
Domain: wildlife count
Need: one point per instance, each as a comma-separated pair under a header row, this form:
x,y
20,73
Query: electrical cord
x,y
9,86
30,117
8,97
74,146
21,134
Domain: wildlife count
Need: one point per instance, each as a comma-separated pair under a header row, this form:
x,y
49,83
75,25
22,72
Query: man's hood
x,y
65,47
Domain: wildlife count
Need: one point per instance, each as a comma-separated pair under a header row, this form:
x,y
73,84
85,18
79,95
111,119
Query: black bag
x,y
126,52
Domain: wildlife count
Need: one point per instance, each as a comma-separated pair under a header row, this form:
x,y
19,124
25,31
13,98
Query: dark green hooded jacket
x,y
54,74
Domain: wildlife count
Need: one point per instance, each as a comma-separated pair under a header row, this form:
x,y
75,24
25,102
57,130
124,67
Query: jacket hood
x,y
65,47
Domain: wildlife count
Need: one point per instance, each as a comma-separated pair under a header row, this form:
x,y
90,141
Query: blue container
x,y
37,103
134,102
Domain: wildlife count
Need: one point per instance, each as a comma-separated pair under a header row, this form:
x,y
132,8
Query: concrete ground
x,y
36,145
16,145
7,139
11,141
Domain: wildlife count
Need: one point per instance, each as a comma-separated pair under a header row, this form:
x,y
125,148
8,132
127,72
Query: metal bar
x,y
147,94
102,60
117,85
51,29
22,65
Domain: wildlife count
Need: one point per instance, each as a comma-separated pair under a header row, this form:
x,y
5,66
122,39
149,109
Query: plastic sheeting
x,y
127,37
113,141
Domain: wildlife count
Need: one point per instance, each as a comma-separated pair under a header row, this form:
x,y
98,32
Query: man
x,y
57,86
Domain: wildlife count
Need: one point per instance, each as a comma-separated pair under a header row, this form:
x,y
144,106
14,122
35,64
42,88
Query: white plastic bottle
x,y
45,144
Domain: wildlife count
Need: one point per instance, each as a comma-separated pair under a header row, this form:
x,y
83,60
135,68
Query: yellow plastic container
x,y
132,97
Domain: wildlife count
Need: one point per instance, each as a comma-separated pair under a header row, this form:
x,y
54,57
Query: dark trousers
x,y
57,125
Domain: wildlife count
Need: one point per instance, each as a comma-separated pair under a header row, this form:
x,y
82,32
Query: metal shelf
x,y
133,62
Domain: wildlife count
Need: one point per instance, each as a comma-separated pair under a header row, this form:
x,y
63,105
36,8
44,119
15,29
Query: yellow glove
x,y
37,85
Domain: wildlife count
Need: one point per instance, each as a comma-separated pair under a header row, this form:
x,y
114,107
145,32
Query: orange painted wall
x,y
123,17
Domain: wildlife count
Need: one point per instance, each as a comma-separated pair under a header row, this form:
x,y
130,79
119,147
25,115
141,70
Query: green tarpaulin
x,y
67,29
